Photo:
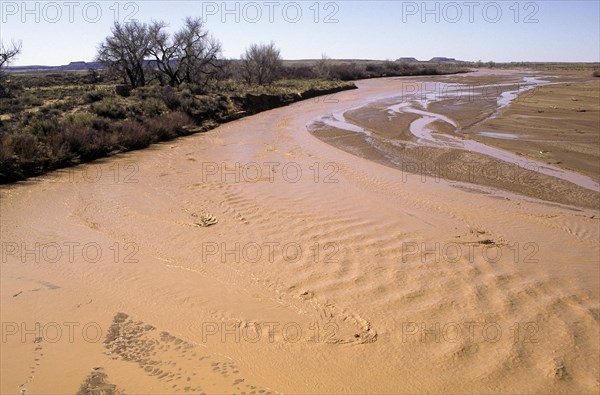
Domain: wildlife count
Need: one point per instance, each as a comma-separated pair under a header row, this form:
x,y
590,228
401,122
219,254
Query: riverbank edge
x,y
248,105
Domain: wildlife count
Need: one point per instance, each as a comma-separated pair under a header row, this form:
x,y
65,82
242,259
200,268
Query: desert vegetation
x,y
261,63
8,52
152,86
57,120
139,52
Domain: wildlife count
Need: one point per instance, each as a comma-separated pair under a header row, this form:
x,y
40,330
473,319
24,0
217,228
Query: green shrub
x,y
123,90
82,119
77,138
94,96
108,107
38,124
30,100
11,106
170,97
6,148
144,92
26,146
152,107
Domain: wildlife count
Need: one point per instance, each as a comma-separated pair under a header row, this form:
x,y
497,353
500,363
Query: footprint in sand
x,y
204,219
97,383
170,359
38,354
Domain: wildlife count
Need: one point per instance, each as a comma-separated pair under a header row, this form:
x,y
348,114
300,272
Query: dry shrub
x,y
133,135
108,107
152,107
168,126
77,139
170,98
6,148
26,146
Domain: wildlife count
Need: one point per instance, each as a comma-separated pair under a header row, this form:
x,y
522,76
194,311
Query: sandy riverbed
x,y
325,273
526,132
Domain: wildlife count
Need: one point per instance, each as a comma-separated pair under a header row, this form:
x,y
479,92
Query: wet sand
x,y
459,128
371,279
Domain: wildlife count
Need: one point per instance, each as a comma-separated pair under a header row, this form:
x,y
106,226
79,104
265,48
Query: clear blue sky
x,y
70,30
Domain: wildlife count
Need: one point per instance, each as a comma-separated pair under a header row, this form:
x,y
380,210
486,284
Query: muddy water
x,y
427,136
502,136
182,320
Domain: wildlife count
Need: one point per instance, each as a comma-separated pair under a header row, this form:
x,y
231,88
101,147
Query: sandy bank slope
x,y
346,277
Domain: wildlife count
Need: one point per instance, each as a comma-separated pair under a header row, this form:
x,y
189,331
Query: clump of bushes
x,y
153,107
87,120
133,135
171,98
168,126
41,143
123,90
108,107
354,70
25,145
49,127
95,96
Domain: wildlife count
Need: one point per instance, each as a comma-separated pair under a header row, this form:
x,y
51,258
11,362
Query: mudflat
x,y
531,133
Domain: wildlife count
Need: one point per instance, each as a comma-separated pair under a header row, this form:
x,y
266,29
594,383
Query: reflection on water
x,y
502,136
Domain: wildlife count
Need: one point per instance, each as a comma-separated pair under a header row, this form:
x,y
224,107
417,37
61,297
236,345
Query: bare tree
x,y
165,53
125,51
191,55
93,77
200,52
7,54
323,66
261,63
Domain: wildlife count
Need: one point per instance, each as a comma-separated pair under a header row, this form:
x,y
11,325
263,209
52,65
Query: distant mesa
x,y
77,66
73,66
84,66
441,59
437,59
